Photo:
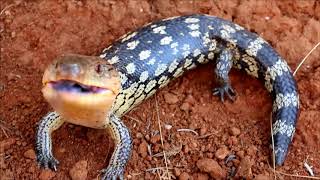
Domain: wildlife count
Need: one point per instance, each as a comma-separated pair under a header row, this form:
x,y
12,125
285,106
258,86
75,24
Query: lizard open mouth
x,y
76,87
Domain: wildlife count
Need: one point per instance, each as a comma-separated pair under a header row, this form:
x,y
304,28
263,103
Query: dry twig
x,y
304,59
161,138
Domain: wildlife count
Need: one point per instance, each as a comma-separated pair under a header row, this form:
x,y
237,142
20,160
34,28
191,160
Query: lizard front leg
x,y
122,151
47,125
223,67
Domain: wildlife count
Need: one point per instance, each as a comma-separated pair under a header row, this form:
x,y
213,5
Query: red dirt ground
x,y
33,33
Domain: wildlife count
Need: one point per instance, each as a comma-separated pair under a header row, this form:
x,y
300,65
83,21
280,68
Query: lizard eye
x,y
98,68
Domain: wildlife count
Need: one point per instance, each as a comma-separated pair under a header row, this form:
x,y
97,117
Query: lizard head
x,y
81,88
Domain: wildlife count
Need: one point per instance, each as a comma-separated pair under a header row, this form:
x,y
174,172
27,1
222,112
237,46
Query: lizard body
x,y
147,59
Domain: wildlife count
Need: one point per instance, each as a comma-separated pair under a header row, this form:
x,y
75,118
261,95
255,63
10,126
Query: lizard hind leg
x,y
223,67
47,125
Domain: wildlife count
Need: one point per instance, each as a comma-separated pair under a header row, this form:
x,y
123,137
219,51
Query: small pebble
x,y
46,174
167,126
171,98
244,169
139,135
212,167
235,131
203,131
185,107
155,139
184,176
79,171
143,149
30,154
222,153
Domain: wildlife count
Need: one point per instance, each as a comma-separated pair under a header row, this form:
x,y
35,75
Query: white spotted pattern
x,y
151,84
191,20
211,55
195,33
255,46
160,69
166,40
173,66
278,69
285,100
174,45
196,52
159,30
144,54
132,45
144,76
131,68
283,128
226,32
193,26
213,45
186,47
187,63
202,59
123,78
113,60
206,39
151,61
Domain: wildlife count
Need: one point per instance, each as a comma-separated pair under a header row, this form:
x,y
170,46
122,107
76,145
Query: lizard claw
x,y
225,89
112,173
48,162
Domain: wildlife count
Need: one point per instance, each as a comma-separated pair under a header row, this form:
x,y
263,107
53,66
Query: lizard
x,y
96,91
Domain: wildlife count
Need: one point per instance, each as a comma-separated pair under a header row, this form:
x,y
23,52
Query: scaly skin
x,y
149,58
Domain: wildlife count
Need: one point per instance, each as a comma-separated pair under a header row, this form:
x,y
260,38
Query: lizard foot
x,y
48,162
225,89
112,173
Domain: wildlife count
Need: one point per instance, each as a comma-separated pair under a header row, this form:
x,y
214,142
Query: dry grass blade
x,y
309,168
161,138
162,173
297,176
134,119
304,59
6,8
4,128
273,152
175,150
188,130
207,135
